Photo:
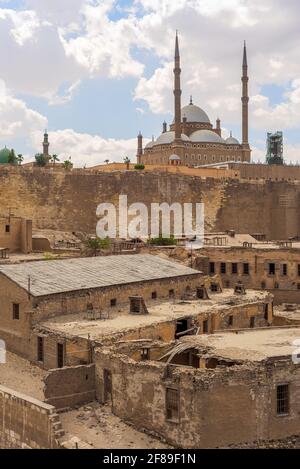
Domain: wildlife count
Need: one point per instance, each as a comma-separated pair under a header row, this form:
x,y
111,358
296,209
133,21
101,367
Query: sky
x,y
96,72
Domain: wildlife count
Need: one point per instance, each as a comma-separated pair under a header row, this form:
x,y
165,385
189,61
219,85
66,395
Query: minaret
x,y
177,91
139,148
218,127
46,144
164,127
245,99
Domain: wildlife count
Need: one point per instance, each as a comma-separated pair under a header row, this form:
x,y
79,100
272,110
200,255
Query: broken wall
x,y
217,408
70,386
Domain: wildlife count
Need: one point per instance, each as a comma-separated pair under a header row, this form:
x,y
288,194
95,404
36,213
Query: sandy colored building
x,y
164,320
260,265
15,234
35,291
207,391
52,310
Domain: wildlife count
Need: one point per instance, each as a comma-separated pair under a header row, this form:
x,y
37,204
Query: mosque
x,y
4,156
191,139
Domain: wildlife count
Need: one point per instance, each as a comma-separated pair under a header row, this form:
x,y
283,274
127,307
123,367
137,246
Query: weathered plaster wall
x,y
26,422
285,286
217,408
70,386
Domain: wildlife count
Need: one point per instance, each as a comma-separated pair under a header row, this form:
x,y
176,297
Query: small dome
x,y
4,156
174,158
195,114
232,141
206,136
169,137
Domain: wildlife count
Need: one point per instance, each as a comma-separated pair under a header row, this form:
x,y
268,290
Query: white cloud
x,y
24,24
211,38
86,149
16,119
54,45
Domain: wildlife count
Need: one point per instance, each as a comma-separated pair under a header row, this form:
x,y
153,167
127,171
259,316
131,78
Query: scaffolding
x,y
275,148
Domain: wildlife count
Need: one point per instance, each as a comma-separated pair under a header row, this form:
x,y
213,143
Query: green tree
x,y
68,164
106,161
54,159
96,244
41,160
12,159
127,162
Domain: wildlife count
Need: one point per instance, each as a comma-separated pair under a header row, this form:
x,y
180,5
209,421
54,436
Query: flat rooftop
x,y
252,345
61,276
121,321
292,315
224,240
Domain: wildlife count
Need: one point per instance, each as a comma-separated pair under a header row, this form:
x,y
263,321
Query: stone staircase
x,y
57,428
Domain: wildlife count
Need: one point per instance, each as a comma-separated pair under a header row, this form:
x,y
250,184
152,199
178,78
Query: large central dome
x,y
195,114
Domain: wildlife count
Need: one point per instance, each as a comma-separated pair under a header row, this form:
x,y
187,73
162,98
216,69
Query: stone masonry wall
x,y
68,200
70,386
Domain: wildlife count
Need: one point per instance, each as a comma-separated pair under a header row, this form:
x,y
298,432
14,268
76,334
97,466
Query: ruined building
x,y
259,264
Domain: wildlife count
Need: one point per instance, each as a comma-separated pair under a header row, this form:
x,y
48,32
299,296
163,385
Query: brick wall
x,y
67,387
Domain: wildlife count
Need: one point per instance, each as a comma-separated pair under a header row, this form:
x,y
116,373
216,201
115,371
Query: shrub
x,y
163,241
139,166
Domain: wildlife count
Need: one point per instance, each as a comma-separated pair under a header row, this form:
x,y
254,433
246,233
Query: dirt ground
x,y
95,425
19,375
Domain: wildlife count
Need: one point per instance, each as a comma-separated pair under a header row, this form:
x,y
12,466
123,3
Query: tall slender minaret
x,y
245,99
177,91
139,148
46,144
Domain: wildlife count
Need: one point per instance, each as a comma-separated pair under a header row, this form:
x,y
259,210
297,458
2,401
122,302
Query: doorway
x,y
107,381
60,356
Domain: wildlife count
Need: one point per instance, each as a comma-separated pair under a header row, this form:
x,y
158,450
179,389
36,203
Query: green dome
x,y
4,155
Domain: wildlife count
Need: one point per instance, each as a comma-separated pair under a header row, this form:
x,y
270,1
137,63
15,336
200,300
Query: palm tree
x,y
54,159
106,161
127,162
20,159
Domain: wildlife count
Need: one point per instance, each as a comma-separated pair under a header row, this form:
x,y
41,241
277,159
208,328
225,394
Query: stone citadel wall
x,y
67,201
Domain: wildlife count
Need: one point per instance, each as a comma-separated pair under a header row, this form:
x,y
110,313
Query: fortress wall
x,y
68,200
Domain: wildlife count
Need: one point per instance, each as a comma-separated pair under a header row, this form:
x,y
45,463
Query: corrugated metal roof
x,y
58,276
